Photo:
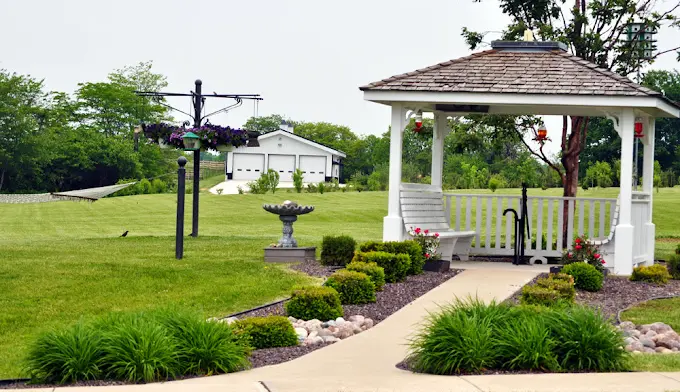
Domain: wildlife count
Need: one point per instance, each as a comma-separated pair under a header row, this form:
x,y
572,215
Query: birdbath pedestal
x,y
287,250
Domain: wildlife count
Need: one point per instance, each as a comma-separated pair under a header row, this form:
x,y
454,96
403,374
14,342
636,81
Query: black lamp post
x,y
179,231
198,99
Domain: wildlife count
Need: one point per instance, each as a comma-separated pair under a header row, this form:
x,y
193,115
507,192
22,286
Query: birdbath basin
x,y
288,212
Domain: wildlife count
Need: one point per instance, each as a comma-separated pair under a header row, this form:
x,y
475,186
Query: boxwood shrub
x,y
337,250
550,291
396,266
313,302
473,337
409,247
375,272
267,332
673,265
355,288
656,273
586,276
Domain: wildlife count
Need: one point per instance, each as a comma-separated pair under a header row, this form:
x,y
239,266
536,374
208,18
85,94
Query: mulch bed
x,y
618,293
393,297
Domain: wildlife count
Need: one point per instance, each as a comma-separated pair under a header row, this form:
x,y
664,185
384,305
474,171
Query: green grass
x,y
655,363
664,310
63,261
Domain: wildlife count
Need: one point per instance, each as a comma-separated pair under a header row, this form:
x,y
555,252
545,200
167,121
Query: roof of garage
x,y
303,140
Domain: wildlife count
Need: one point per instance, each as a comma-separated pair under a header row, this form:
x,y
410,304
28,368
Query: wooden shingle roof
x,y
505,70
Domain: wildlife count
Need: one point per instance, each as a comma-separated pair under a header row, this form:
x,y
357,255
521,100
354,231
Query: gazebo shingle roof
x,y
511,71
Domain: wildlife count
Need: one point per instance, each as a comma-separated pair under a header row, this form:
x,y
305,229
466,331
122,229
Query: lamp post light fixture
x,y
191,142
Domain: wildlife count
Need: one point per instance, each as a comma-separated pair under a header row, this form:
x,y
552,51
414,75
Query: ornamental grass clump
x,y
470,337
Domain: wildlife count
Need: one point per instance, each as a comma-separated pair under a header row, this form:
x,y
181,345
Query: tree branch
x,y
540,156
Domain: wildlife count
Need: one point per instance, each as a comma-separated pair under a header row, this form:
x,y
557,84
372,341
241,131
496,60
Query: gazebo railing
x,y
590,217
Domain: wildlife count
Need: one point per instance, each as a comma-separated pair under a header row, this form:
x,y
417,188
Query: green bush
x,y
673,265
267,332
337,250
322,303
205,348
556,289
473,337
656,273
159,186
565,288
139,350
67,356
321,187
538,295
396,266
586,277
297,180
409,247
375,272
355,288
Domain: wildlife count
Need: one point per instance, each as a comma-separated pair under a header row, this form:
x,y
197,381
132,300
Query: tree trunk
x,y
2,178
571,150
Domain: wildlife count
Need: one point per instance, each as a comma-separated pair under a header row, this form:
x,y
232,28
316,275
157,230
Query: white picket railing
x,y
590,217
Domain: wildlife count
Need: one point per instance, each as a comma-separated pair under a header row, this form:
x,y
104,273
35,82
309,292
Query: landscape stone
x,y
659,327
368,323
325,332
339,320
650,334
627,326
628,341
356,328
358,319
635,346
330,339
667,340
231,320
312,341
301,333
648,350
313,334
647,342
632,333
331,323
292,319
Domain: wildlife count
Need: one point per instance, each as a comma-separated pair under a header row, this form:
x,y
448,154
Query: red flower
x,y
436,235
602,261
417,230
577,240
596,255
578,247
570,255
426,231
427,255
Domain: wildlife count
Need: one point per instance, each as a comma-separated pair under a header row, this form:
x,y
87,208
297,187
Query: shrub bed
x,y
337,250
136,348
267,332
656,273
322,303
556,289
473,337
396,266
409,247
376,273
586,276
355,288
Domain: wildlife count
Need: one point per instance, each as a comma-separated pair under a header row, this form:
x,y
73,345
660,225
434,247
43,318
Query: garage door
x,y
313,168
284,165
247,166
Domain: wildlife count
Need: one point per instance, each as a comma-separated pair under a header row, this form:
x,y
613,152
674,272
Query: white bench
x,y
422,206
606,245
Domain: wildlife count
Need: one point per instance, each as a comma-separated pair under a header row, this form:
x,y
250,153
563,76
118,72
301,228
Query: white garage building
x,y
284,152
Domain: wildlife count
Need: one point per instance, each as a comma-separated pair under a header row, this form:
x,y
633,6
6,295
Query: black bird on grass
x,y
124,234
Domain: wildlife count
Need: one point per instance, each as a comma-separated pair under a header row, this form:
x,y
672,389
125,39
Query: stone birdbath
x,y
287,250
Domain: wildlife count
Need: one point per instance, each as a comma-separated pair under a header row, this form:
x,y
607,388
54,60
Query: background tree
x,y
264,124
593,30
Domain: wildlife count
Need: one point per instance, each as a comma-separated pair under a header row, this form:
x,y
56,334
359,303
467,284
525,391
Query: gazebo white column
x,y
440,132
623,253
393,223
649,129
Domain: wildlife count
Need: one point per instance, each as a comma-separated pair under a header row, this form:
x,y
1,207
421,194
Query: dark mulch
x,y
393,297
95,383
314,268
617,294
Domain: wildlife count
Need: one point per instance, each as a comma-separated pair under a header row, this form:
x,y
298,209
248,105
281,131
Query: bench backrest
x,y
424,209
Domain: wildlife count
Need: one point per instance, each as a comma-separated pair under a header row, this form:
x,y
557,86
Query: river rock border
x,y
650,338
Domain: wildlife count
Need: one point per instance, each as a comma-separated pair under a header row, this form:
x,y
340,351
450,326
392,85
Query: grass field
x,y
65,260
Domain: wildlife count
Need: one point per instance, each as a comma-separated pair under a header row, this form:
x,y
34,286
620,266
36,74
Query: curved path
x,y
366,362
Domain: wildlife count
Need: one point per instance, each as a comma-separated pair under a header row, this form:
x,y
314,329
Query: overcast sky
x,y
306,57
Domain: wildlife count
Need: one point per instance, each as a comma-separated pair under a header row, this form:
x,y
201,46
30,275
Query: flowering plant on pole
x,y
584,251
211,136
428,241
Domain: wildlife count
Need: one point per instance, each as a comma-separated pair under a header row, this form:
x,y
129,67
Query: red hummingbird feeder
x,y
419,122
638,128
542,134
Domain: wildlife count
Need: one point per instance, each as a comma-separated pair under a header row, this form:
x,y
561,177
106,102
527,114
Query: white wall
x,y
281,144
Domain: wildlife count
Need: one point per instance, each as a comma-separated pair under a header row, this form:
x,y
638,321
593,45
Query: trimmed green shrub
x,y
539,295
66,356
586,277
473,337
396,266
136,349
337,250
409,247
375,272
673,265
354,287
205,348
565,288
313,302
656,273
562,276
267,332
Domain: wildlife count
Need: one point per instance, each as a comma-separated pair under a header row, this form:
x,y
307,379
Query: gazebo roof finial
x,y
528,35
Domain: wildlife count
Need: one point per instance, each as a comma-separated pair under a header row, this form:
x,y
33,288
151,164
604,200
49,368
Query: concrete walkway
x,y
366,362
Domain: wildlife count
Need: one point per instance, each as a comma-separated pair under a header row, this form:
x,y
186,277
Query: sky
x,y
307,58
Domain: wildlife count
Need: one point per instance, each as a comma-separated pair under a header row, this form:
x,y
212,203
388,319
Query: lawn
x,y
66,260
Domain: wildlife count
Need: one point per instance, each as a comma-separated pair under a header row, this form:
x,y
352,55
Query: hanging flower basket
x,y
162,143
212,137
224,148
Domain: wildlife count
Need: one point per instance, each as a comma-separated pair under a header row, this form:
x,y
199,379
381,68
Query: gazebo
x,y
540,78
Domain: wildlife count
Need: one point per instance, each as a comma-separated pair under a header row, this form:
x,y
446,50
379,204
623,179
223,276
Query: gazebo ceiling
x,y
519,77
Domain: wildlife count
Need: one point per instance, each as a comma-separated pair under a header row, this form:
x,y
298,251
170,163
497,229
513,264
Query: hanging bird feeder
x,y
419,122
541,134
638,128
